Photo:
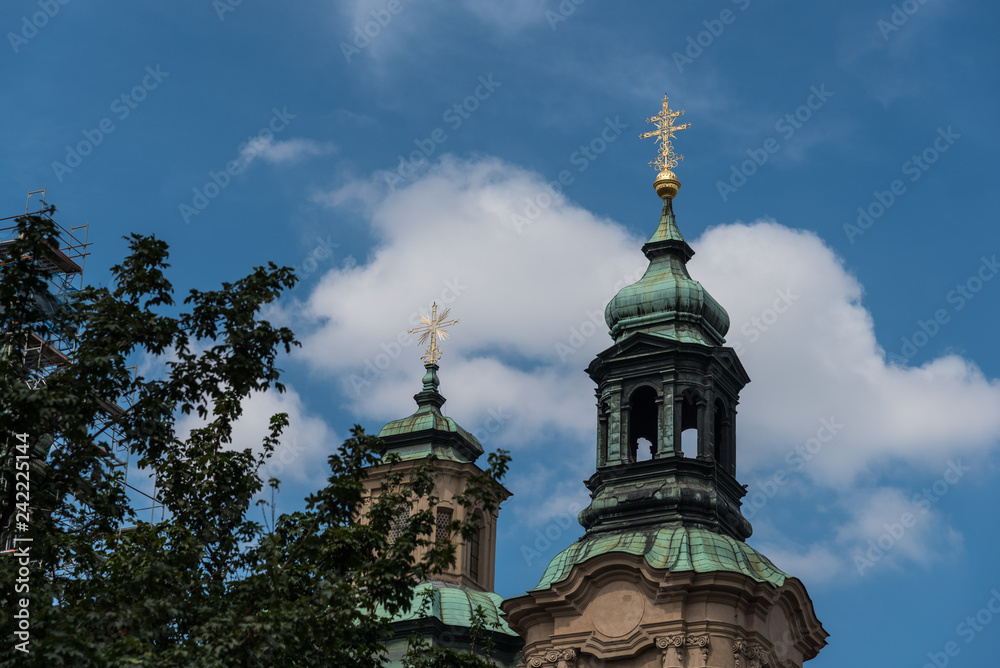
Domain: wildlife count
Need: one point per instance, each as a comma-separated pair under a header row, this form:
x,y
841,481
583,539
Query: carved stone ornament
x,y
750,654
554,658
684,651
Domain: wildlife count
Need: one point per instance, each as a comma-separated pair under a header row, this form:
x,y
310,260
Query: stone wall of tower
x,y
451,479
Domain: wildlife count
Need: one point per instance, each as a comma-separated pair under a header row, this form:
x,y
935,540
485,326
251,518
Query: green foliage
x,y
207,586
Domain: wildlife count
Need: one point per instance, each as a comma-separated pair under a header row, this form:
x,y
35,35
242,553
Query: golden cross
x,y
664,132
433,329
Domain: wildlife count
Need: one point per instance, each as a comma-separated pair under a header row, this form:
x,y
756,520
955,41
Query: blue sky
x,y
837,188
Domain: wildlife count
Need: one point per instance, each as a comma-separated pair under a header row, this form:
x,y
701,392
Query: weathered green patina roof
x,y
428,431
426,419
666,301
454,605
673,547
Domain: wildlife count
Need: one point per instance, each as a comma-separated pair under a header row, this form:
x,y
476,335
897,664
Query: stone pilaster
x,y
750,654
684,651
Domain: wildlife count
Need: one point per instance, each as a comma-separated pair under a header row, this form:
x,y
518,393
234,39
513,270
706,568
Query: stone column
x,y
660,445
667,445
704,444
616,433
678,421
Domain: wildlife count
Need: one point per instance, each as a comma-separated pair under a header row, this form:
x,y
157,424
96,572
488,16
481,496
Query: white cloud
x,y
820,359
553,493
886,526
883,528
509,411
281,152
450,236
363,193
811,564
508,16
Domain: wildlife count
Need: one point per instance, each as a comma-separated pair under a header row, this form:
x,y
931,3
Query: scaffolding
x,y
65,259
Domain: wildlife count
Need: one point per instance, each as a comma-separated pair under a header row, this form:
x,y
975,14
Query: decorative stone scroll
x,y
677,648
750,654
554,658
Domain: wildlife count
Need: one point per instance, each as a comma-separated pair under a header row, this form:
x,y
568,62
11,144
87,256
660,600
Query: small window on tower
x,y
475,551
399,524
443,520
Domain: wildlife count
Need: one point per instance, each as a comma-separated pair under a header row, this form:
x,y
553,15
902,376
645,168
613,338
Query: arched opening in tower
x,y
643,424
689,425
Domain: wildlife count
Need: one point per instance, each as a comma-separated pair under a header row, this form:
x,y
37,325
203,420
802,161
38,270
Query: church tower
x,y
443,609
662,576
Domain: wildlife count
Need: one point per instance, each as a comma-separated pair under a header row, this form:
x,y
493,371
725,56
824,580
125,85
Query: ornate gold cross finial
x,y
433,329
664,132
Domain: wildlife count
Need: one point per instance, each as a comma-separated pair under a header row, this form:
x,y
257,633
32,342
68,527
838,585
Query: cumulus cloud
x,y
810,563
809,345
888,526
882,528
288,151
530,299
530,286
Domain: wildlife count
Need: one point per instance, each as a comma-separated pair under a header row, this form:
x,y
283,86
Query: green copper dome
x,y
666,301
673,547
455,605
428,431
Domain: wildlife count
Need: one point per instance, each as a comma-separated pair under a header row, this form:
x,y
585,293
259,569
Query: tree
x,y
206,586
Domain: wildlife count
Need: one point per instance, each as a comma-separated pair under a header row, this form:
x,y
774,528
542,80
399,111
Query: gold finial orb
x,y
666,183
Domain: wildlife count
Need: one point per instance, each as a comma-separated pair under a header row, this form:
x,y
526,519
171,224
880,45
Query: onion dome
x,y
666,301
